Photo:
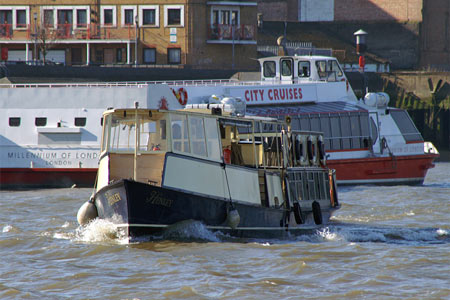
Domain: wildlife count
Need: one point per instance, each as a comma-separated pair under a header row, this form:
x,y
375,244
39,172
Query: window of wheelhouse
x,y
333,66
40,122
269,69
304,69
406,126
286,67
14,122
322,68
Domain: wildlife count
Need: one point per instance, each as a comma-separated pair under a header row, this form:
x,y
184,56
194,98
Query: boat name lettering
x,y
113,198
52,155
156,199
273,94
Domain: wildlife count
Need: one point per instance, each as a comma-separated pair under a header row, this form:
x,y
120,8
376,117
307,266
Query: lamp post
x,y
35,37
136,19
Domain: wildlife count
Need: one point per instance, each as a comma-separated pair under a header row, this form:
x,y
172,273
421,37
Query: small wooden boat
x,y
243,176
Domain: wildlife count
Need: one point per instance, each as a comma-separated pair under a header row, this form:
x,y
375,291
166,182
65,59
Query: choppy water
x,y
385,243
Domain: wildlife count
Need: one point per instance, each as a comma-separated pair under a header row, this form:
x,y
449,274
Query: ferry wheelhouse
x,y
246,176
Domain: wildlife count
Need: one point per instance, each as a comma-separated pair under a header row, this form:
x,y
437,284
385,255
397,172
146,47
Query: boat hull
x,y
143,209
409,170
18,178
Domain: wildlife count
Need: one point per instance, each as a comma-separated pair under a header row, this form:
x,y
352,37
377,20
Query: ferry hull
x,y
408,170
18,178
143,209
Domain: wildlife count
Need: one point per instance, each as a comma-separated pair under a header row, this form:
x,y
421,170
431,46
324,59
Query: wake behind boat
x,y
245,176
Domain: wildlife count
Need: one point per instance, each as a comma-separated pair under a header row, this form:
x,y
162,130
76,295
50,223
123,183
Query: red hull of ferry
x,y
383,170
46,177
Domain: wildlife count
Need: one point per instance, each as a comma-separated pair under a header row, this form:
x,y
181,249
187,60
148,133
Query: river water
x,y
384,243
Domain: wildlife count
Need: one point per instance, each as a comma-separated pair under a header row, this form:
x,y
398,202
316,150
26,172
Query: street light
x,y
35,37
136,19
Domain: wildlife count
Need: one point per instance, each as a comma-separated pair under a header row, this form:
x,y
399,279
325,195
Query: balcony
x,y
229,34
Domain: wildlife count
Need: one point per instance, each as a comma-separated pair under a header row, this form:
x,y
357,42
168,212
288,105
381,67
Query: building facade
x,y
196,34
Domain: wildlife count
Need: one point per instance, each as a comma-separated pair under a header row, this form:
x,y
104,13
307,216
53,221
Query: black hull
x,y
143,209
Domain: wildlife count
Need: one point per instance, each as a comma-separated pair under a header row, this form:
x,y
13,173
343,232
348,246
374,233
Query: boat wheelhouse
x,y
246,176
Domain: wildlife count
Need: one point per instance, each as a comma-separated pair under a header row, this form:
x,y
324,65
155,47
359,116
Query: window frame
x,y
166,15
102,16
73,8
141,15
220,10
123,8
168,56
13,10
11,121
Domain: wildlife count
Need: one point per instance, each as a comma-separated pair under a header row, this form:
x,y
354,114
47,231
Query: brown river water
x,y
384,243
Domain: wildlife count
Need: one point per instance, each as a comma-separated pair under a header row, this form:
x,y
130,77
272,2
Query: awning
x,y
301,109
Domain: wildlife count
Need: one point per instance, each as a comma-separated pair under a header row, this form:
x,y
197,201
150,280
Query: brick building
x,y
186,33
410,33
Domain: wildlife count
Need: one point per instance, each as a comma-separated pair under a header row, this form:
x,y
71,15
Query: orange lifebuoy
x,y
181,95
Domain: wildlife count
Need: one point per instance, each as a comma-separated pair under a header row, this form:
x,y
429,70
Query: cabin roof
x,y
299,57
316,108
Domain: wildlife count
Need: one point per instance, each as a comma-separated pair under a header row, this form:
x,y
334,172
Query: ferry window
x,y
80,122
101,121
286,67
356,131
346,131
180,137
40,122
335,132
269,69
365,134
373,131
212,138
304,69
325,128
321,68
334,67
197,136
406,126
153,134
14,122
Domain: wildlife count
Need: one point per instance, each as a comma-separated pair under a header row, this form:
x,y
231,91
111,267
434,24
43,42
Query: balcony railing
x,y
6,31
232,32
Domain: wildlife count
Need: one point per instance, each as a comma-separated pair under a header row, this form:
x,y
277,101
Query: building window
x,y
119,55
149,15
225,16
40,122
127,16
65,16
21,18
80,122
81,18
149,56
174,55
108,16
174,15
48,18
14,122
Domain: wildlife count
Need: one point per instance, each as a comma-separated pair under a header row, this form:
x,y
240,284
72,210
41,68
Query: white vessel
x,y
43,141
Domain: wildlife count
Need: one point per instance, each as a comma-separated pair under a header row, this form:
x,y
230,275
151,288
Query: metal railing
x,y
231,32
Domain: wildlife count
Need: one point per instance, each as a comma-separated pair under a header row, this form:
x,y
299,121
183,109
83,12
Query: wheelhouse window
x,y
149,15
197,136
174,55
286,67
39,122
149,56
174,15
406,126
333,66
180,135
322,68
80,122
14,122
269,69
304,69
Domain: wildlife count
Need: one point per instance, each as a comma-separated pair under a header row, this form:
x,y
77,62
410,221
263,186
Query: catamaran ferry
x,y
51,133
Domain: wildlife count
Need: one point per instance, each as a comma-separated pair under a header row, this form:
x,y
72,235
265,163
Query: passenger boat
x,y
241,175
50,133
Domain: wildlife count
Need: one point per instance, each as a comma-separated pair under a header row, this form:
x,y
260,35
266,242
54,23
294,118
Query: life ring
x,y
298,213
317,213
181,95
